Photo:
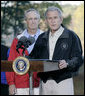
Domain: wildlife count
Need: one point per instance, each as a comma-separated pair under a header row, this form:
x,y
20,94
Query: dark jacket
x,y
4,51
68,47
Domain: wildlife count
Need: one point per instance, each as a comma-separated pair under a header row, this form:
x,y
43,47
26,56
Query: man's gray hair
x,y
53,8
30,10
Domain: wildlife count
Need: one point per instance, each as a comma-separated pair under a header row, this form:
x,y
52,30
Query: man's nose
x,y
53,20
33,20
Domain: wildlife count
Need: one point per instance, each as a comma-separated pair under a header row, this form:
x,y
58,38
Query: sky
x,y
63,2
72,2
60,2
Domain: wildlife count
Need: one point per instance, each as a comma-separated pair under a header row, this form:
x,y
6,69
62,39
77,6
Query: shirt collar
x,y
26,33
59,31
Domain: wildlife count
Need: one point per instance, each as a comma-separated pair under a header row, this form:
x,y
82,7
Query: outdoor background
x,y
13,23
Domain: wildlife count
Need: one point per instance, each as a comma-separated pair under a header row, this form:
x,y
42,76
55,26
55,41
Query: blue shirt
x,y
26,33
3,75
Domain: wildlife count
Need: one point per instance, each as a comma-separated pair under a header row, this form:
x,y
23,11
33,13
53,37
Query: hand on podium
x,y
12,89
62,64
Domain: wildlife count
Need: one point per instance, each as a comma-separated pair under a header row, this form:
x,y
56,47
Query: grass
x,y
79,82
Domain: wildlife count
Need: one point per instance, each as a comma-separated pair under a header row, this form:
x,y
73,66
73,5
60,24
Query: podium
x,y
36,65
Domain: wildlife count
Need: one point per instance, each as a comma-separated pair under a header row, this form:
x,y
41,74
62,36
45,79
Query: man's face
x,y
32,20
53,20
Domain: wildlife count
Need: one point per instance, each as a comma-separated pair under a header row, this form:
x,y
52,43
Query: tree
x,y
12,16
78,21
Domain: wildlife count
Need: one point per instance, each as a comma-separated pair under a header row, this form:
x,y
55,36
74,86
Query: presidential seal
x,y
64,46
21,65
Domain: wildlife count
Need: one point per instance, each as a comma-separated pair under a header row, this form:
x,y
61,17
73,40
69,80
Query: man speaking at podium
x,y
19,85
61,44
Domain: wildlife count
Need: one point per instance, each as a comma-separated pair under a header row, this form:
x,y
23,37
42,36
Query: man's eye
x,y
55,17
50,18
30,19
35,18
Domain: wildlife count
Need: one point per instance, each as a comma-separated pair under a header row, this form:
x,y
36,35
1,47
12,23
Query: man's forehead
x,y
32,13
52,13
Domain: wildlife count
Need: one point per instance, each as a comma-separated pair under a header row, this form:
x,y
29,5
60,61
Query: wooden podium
x,y
35,66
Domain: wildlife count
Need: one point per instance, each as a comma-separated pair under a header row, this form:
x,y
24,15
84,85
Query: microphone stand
x,y
30,77
23,53
30,73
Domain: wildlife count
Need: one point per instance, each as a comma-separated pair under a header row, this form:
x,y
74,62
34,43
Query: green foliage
x,y
12,17
68,9
66,20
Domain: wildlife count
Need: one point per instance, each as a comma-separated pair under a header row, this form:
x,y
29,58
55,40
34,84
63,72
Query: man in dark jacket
x,y
61,44
4,85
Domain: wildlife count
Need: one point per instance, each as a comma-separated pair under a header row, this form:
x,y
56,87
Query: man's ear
x,y
61,19
39,20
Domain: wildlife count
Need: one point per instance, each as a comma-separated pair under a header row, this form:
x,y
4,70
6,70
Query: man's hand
x,y
12,89
62,64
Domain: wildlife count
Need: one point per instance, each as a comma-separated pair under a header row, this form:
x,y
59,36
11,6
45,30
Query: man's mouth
x,y
53,25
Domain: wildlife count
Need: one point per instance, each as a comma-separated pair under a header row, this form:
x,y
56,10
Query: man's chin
x,y
33,28
54,29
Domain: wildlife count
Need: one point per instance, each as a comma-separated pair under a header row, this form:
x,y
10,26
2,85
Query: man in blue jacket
x,y
4,56
62,44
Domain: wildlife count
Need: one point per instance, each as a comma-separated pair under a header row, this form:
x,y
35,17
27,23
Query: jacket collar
x,y
65,33
46,35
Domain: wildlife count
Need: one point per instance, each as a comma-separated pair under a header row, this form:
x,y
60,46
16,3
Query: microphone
x,y
30,41
24,41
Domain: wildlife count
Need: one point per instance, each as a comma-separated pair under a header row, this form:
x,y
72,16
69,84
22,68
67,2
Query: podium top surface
x,y
36,65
